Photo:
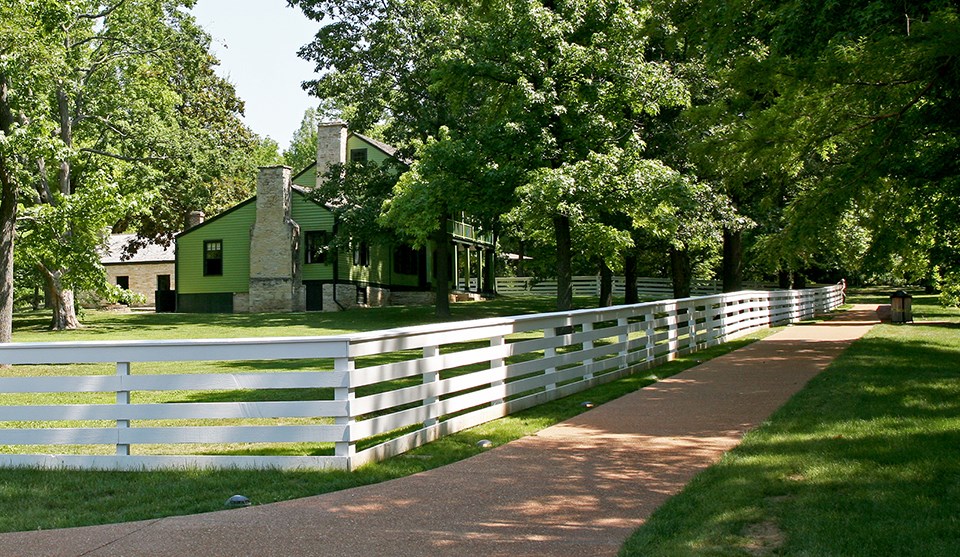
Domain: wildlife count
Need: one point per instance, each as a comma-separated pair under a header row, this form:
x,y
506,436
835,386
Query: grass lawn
x,y
34,499
864,461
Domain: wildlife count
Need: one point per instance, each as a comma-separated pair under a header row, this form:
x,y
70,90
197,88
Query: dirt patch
x,y
763,538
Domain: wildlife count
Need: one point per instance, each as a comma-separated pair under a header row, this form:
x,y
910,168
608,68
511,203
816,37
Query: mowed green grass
x,y
43,499
864,461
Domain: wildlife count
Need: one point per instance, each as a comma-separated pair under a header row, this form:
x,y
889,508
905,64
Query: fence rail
x,y
363,396
590,286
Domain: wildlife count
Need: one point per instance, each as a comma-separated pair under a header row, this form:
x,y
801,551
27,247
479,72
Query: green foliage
x,y
70,234
355,193
526,105
842,113
120,96
302,151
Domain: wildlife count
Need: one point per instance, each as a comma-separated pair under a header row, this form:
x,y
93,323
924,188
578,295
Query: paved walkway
x,y
578,488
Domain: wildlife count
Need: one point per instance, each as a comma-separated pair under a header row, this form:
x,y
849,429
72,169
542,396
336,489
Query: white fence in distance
x,y
590,286
385,391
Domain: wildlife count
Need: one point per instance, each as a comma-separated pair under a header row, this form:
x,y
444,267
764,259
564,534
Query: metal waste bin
x,y
901,307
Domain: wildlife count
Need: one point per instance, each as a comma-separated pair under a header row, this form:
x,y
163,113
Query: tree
x,y
26,65
848,110
355,193
302,151
376,60
123,102
548,98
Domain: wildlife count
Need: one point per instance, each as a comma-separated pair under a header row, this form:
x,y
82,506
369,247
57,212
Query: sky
x,y
257,42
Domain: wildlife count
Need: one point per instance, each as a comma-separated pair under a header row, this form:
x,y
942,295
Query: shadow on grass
x,y
863,461
196,325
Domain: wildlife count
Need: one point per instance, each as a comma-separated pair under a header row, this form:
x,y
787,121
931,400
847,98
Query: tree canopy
x,y
113,117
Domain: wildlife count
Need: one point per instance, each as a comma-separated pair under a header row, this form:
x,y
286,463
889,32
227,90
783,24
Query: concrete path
x,y
578,488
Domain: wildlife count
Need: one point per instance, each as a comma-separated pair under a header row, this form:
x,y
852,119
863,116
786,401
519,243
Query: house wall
x,y
142,276
233,230
312,217
374,154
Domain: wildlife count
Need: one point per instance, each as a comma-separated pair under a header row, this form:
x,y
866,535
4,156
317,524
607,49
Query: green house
x,y
269,253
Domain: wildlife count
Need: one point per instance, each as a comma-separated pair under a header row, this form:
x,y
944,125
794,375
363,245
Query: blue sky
x,y
257,42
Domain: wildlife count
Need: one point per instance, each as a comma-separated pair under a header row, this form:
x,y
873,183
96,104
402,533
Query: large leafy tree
x,y
302,151
535,104
116,117
548,99
847,111
376,62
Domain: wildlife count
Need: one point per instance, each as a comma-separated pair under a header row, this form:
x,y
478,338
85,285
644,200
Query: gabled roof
x,y
389,150
305,192
151,253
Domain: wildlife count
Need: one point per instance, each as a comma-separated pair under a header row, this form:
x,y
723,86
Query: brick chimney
x,y
274,241
331,146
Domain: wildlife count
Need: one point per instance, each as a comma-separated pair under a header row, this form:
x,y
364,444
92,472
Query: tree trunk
x,y
681,271
8,221
606,285
561,227
732,272
60,298
64,309
630,278
783,279
442,266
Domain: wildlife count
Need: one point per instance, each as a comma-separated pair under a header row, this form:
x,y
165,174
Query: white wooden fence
x,y
590,286
383,392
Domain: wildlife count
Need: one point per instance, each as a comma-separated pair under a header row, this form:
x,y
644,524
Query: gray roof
x,y
151,253
388,149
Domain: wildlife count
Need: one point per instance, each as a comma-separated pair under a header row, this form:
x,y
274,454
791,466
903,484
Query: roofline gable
x,y
217,217
303,192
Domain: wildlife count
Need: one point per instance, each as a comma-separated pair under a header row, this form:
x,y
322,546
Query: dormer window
x,y
358,155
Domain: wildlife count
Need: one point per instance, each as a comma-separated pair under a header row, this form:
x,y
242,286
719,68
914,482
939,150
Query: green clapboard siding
x,y
233,229
307,178
374,154
312,217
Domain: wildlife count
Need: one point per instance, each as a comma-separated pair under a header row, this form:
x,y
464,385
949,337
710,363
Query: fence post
x,y
346,394
497,363
624,338
430,379
123,398
588,345
550,352
649,331
691,327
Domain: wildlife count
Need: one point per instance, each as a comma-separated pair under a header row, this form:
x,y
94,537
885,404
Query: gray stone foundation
x,y
412,298
271,295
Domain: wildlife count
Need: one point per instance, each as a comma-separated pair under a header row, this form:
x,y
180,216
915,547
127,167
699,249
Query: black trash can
x,y
901,307
166,301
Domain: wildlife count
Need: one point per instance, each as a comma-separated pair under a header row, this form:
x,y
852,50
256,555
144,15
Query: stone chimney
x,y
274,241
331,146
194,218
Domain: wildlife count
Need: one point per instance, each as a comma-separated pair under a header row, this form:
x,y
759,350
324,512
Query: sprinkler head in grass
x,y
237,501
587,404
484,443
